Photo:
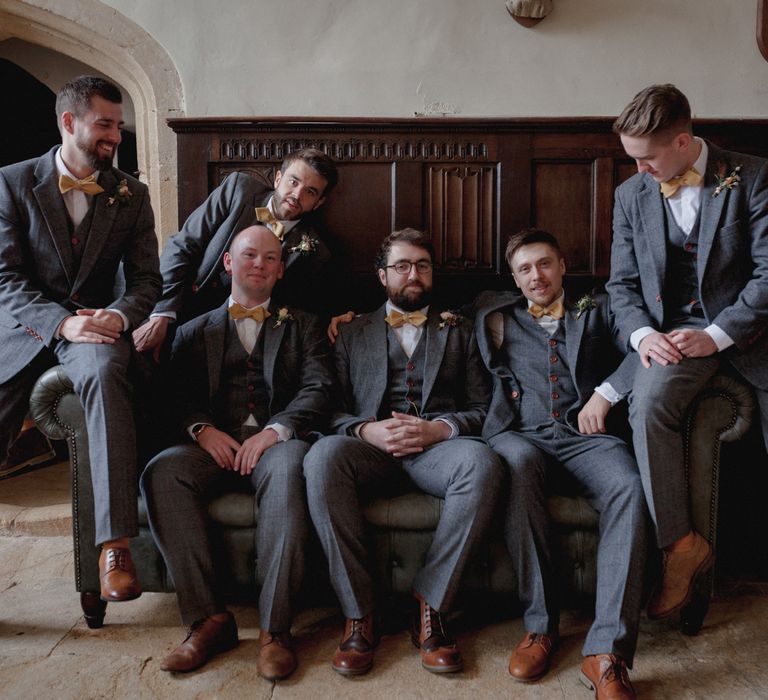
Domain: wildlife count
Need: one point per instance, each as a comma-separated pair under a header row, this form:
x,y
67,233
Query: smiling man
x,y
250,380
67,221
689,286
557,371
413,394
194,279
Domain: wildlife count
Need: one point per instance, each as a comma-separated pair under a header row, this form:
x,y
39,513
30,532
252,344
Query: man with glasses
x,y
413,393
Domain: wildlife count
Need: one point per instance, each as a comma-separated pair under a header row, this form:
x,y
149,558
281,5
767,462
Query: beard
x,y
90,151
404,297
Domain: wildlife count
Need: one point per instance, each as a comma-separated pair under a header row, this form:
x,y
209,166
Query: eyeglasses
x,y
403,267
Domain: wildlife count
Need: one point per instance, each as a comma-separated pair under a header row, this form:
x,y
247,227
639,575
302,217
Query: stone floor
x,y
46,648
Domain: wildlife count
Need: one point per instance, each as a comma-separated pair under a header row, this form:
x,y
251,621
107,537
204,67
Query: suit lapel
x,y
436,339
104,216
574,330
52,207
273,337
375,350
711,208
214,335
651,207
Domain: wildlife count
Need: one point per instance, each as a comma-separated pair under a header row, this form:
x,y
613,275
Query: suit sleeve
x,y
143,283
477,388
308,409
22,301
343,420
744,321
184,253
189,378
625,286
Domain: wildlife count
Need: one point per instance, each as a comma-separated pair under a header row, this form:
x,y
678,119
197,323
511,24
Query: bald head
x,y
254,260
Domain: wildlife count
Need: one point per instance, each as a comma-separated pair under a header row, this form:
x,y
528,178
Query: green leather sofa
x,y
401,527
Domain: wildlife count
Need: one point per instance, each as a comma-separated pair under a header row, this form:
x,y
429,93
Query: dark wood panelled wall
x,y
468,182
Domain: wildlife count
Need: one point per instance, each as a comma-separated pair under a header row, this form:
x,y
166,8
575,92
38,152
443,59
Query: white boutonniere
x,y
451,319
586,302
727,183
283,316
122,195
305,246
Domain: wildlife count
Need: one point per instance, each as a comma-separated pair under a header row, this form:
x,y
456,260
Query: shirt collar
x,y
264,304
391,307
701,161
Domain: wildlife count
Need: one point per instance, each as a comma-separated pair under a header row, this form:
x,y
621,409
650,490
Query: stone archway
x,y
100,36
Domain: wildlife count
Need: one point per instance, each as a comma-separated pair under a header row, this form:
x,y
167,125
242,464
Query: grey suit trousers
x,y
179,483
99,374
609,480
657,405
342,473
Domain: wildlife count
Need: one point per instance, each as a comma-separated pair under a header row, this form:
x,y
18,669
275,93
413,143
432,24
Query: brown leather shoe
x,y
354,655
530,659
681,570
439,653
117,575
607,675
277,659
206,638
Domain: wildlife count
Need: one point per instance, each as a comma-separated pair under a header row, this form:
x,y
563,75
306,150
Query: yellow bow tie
x,y
555,310
397,319
267,218
87,185
237,312
689,177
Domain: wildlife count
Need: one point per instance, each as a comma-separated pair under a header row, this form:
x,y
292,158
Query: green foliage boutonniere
x,y
122,195
586,302
283,316
727,183
305,246
450,319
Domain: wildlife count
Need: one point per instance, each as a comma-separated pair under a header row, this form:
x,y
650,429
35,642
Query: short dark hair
x,y
411,236
75,96
659,110
528,236
320,162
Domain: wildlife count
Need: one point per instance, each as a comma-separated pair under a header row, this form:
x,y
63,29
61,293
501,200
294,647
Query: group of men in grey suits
x,y
410,394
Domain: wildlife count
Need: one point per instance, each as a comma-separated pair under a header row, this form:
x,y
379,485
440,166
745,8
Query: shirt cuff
x,y
609,393
638,335
126,322
283,433
721,338
163,314
191,428
452,426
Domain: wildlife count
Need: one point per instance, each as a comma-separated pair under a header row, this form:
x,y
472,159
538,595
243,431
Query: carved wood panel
x,y
461,206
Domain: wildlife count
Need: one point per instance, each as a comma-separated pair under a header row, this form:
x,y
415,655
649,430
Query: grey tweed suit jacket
x,y
297,369
192,261
456,386
594,356
732,261
40,283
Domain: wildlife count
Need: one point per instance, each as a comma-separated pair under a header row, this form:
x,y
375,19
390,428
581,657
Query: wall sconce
x,y
529,12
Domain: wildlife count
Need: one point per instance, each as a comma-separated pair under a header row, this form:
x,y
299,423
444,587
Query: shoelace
x,y
615,672
117,559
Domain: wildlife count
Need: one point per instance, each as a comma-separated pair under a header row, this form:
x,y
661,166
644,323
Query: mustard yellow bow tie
x,y
237,312
267,218
689,177
397,319
555,310
87,185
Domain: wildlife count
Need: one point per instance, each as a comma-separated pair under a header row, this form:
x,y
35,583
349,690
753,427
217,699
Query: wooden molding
x,y
762,27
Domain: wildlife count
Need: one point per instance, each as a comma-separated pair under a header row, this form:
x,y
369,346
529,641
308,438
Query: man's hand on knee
x,y
693,342
220,445
659,348
92,326
151,335
591,418
252,449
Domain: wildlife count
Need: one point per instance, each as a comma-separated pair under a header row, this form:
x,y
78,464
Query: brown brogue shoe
x,y
205,639
530,659
439,653
277,659
681,569
607,675
354,655
117,575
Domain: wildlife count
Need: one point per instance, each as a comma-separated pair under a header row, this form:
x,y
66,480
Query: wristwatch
x,y
197,429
